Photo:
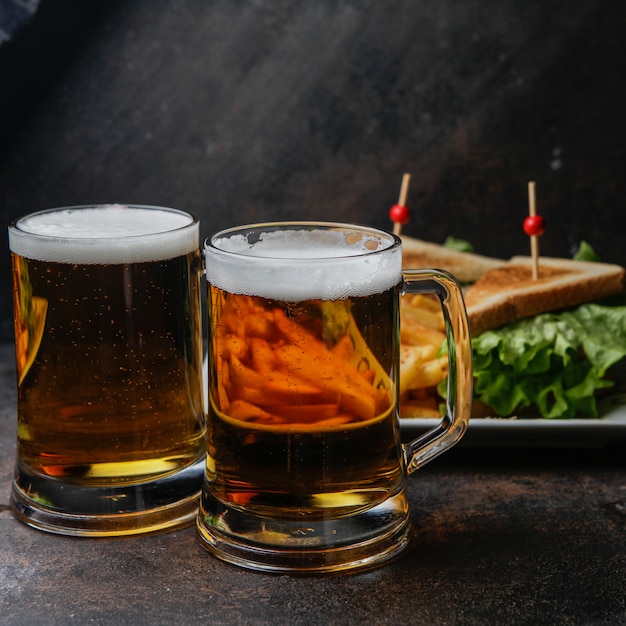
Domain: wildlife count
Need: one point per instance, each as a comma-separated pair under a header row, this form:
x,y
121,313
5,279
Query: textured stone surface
x,y
504,536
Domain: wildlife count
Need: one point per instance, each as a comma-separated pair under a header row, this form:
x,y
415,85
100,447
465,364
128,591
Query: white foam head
x,y
303,262
105,234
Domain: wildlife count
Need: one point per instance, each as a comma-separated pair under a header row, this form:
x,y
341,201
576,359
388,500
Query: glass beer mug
x,y
305,468
109,368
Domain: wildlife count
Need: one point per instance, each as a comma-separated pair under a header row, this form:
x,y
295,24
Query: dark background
x,y
249,110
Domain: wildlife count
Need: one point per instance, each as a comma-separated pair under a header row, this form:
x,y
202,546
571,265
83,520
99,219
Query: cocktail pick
x,y
534,227
399,213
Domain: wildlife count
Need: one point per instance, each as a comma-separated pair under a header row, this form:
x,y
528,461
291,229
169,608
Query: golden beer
x,y
305,467
108,353
302,421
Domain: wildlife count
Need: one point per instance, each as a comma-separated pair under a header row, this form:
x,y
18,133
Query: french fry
x,y
344,348
234,345
430,373
243,376
247,412
271,369
417,409
262,355
267,362
259,323
348,388
410,361
424,302
422,368
423,309
414,333
273,394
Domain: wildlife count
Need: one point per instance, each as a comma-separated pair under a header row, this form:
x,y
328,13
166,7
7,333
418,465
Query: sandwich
x,y
544,347
508,292
466,266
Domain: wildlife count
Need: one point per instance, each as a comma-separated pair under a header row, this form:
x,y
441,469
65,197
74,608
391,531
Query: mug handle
x,y
460,380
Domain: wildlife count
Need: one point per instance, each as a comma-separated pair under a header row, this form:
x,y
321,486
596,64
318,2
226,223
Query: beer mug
x,y
305,467
110,437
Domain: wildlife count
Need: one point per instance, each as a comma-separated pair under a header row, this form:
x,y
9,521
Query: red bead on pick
x,y
399,214
534,225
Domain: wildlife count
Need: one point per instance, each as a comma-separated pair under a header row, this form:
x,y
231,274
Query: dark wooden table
x,y
513,535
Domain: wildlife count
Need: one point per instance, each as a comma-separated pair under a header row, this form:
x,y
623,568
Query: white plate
x,y
609,428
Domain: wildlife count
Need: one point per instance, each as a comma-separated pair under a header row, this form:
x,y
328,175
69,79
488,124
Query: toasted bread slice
x,y
467,267
508,292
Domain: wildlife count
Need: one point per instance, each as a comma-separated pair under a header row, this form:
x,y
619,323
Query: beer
x,y
108,353
302,425
302,415
305,468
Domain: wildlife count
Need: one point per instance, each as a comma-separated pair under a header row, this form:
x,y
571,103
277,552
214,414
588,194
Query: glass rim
x,y
164,241
352,269
15,224
210,247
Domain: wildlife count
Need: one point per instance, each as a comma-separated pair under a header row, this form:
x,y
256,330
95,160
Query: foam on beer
x,y
300,265
104,234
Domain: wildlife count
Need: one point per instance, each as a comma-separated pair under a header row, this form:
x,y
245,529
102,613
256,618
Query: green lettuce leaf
x,y
585,252
554,362
460,245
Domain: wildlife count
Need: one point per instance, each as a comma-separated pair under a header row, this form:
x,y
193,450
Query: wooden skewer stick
x,y
534,239
404,192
